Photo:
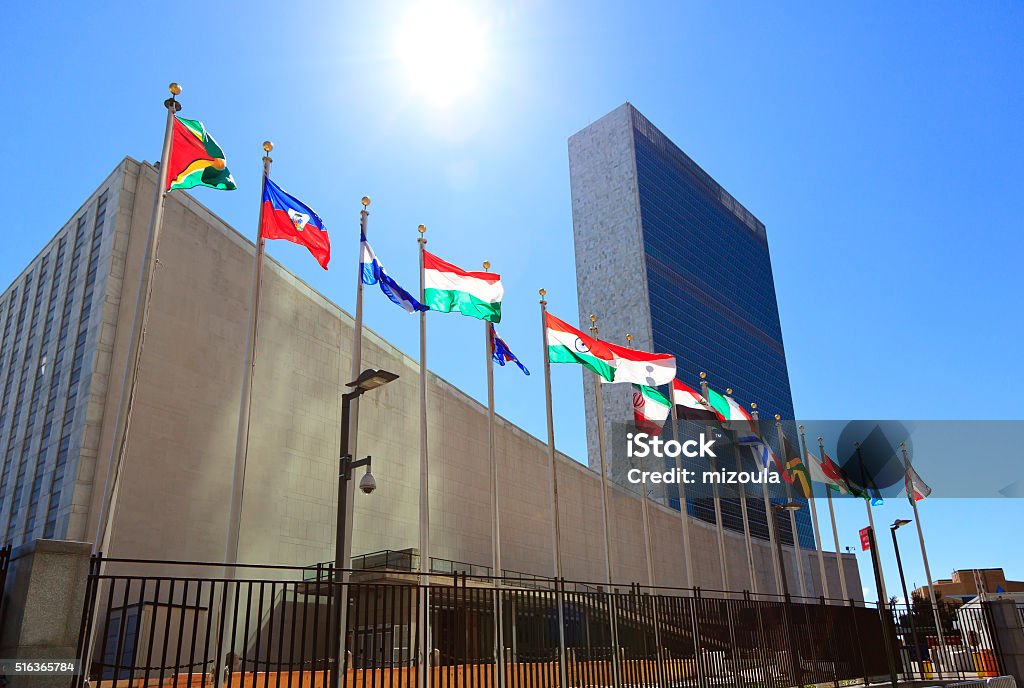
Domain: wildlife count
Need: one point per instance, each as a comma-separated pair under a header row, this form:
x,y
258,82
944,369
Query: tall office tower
x,y
664,253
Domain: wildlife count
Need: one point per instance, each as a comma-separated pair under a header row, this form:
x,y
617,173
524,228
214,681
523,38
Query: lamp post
x,y
794,651
788,506
897,524
367,380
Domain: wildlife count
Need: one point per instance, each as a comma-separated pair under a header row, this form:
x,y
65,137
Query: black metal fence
x,y
150,623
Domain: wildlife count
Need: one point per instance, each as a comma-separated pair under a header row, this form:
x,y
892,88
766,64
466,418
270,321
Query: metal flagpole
x,y
499,642
714,495
741,493
814,516
353,433
354,370
495,517
769,515
871,522
797,556
599,409
245,406
835,531
424,540
555,530
684,516
927,569
140,321
645,514
599,404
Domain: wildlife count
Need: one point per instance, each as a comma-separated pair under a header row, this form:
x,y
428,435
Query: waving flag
x,y
764,455
196,159
650,409
501,353
795,466
372,272
917,489
450,288
821,473
690,405
642,368
740,422
286,217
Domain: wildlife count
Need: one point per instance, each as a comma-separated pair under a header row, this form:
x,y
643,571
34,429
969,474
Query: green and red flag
x,y
196,159
650,409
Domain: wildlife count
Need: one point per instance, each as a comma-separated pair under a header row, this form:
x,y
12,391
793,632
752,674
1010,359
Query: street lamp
x,y
367,380
794,657
779,508
897,524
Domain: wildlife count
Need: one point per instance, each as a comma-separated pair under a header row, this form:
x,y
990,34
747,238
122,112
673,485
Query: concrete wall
x,y
176,483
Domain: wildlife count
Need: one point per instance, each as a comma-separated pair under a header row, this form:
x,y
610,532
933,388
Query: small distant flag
x,y
372,272
690,405
764,455
650,409
501,353
196,159
795,466
917,489
286,217
740,422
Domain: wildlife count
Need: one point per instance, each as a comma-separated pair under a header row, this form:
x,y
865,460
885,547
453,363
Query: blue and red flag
x,y
286,217
502,354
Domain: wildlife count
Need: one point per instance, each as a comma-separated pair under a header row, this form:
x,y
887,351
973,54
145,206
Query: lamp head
x,y
371,379
899,523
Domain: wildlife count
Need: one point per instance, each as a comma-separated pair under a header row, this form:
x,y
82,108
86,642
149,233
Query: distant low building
x,y
966,584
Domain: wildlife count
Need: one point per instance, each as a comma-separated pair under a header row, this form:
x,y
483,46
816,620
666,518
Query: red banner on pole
x,y
865,538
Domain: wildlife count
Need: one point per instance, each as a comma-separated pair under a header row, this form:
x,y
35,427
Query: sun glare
x,y
443,48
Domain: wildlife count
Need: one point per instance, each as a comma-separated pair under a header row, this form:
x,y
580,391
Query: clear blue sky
x,y
881,146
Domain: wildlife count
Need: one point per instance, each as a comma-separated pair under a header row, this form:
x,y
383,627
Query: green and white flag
x,y
650,409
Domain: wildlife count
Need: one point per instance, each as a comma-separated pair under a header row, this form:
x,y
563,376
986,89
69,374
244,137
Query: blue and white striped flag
x,y
373,273
502,354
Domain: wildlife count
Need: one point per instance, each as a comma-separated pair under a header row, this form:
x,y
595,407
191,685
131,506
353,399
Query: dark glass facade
x,y
712,300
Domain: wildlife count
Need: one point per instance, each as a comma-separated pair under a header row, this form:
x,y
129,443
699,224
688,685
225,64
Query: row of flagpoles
x,y
191,157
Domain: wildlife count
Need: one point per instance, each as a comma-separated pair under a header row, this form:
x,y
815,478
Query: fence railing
x,y
150,623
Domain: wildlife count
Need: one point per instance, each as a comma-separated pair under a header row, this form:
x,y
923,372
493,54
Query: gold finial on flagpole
x,y
487,265
268,146
593,324
171,103
778,417
542,292
365,201
629,340
801,428
728,390
703,375
174,88
820,440
421,229
753,405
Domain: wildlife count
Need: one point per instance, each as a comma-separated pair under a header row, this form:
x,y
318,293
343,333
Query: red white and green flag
x,y
650,409
740,422
690,405
613,363
566,344
826,474
917,489
449,288
196,159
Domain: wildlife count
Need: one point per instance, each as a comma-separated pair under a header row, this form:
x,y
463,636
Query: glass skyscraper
x,y
664,253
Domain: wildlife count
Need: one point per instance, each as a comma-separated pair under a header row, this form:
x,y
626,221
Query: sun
x,y
442,46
